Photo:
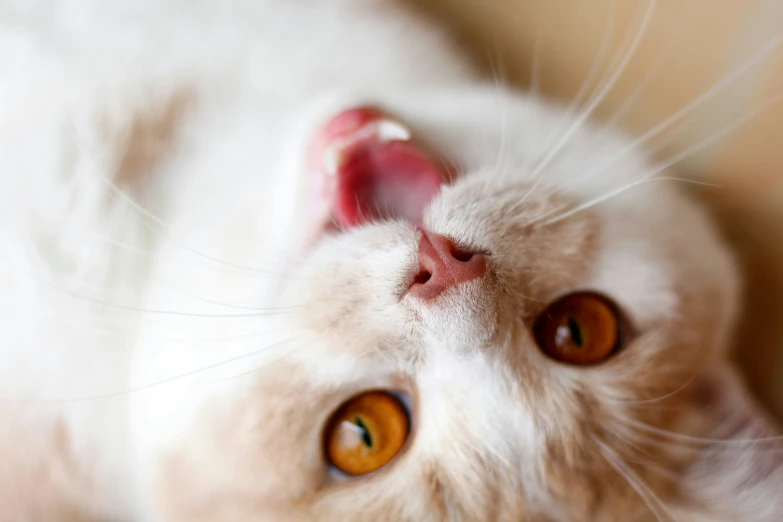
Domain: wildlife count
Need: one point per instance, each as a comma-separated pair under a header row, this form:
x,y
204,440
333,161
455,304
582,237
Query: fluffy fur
x,y
169,353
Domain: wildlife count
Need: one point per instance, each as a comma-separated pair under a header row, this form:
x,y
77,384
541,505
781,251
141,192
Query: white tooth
x,y
332,160
389,130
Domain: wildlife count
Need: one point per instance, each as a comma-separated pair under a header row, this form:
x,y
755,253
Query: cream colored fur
x,y
170,354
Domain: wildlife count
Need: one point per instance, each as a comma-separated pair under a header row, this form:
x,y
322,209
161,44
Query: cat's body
x,y
174,338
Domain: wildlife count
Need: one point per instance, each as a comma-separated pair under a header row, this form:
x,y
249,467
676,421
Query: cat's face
x,y
478,418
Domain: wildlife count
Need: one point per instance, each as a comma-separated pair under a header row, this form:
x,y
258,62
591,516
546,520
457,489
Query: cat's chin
x,y
365,166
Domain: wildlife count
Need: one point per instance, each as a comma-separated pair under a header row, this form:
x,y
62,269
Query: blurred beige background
x,y
689,48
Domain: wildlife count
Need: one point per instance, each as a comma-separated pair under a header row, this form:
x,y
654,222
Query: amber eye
x,y
366,433
581,328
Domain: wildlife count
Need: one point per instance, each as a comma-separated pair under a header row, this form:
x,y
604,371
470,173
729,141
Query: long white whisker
x,y
207,300
615,59
157,223
588,111
657,507
155,384
595,67
631,99
696,102
655,399
647,179
220,266
499,78
663,439
648,463
64,291
274,361
535,65
701,145
697,440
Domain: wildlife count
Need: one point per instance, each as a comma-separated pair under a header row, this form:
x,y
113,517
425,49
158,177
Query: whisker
x,y
696,440
211,301
534,87
362,219
658,440
121,325
270,363
588,110
222,266
630,100
157,223
655,399
499,78
693,104
656,505
647,463
612,194
153,385
336,223
617,57
595,67
64,291
699,146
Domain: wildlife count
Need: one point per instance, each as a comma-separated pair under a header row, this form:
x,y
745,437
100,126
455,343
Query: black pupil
x,y
576,332
365,432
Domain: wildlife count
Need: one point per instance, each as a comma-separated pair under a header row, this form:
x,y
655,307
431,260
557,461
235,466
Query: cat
x,y
299,260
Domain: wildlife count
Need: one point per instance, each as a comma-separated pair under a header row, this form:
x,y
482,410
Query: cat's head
x,y
541,338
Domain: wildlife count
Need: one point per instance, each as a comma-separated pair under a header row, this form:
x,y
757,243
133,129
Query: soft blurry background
x,y
721,61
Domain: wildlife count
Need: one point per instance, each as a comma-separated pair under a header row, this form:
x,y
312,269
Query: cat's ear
x,y
739,468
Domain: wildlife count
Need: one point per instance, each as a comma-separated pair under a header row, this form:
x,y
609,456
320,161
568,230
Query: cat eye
x,y
366,433
580,329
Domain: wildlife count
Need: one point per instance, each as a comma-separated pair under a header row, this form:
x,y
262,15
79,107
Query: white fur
x,y
97,284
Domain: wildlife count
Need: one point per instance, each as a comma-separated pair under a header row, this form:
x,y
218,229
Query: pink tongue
x,y
392,180
377,179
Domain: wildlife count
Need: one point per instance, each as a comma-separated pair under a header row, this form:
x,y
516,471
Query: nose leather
x,y
444,265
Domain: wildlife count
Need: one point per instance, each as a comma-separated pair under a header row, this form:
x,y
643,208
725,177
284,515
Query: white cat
x,y
294,260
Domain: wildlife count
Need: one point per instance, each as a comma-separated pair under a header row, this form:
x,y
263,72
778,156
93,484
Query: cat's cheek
x,y
247,446
356,278
739,468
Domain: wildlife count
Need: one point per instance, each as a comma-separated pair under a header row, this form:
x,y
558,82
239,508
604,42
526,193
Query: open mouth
x,y
368,168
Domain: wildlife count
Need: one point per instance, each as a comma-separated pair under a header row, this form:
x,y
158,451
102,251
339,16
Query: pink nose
x,y
443,265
